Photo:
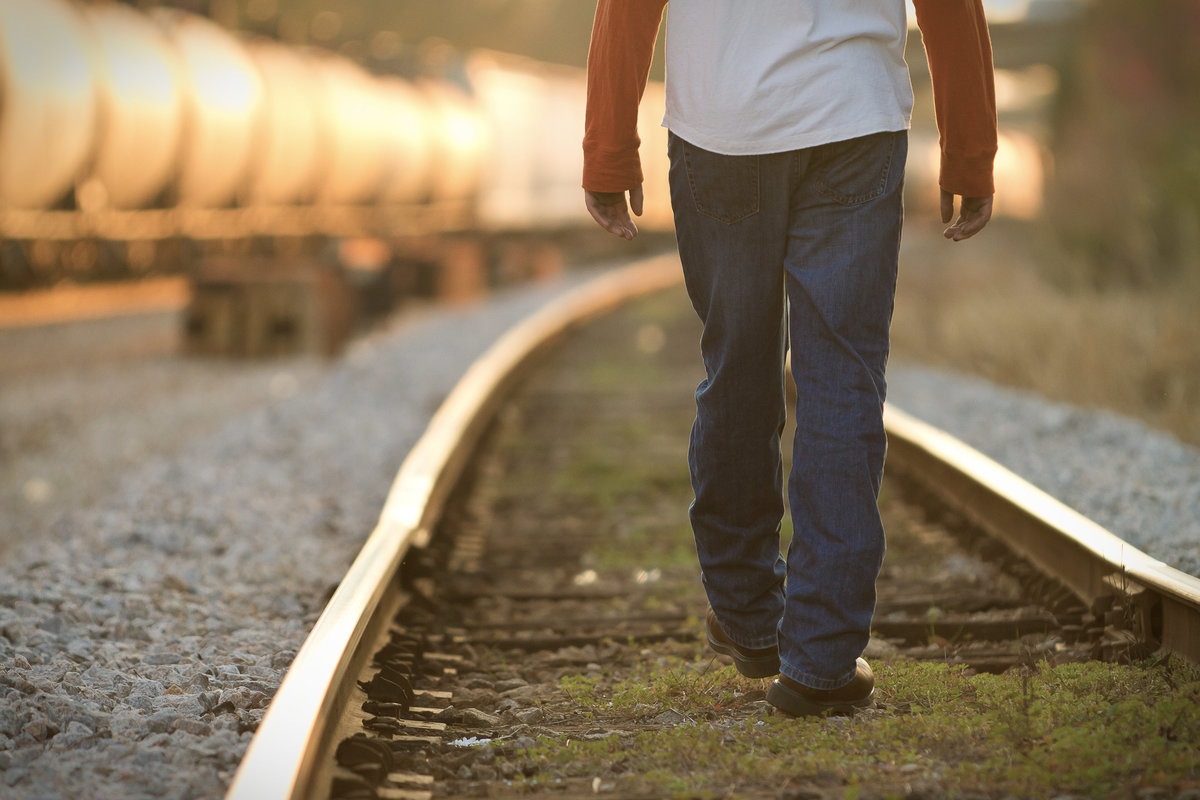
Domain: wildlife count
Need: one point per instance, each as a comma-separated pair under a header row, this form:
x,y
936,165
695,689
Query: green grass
x,y
677,685
1089,729
660,547
601,470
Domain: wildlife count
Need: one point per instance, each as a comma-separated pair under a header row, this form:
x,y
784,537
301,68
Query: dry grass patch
x,y
987,307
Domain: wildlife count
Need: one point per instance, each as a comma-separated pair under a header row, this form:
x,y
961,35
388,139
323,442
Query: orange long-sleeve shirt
x,y
960,60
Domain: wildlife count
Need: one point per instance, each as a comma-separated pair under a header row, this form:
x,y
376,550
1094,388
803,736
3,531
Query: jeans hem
x,y
752,643
814,682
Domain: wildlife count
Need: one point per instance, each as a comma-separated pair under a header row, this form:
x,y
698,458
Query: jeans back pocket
x,y
724,188
856,171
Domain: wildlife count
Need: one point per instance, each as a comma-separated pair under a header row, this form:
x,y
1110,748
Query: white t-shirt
x,y
749,77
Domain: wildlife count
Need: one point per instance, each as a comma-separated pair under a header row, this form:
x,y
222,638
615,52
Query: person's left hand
x,y
974,214
611,212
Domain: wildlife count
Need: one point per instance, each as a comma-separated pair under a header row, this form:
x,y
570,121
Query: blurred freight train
x,y
133,142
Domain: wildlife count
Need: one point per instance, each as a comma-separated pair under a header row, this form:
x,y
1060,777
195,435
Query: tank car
x,y
224,109
356,143
141,108
289,154
511,99
535,113
462,141
48,108
408,127
560,167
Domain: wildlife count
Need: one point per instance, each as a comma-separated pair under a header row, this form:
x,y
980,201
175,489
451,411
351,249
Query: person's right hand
x,y
611,212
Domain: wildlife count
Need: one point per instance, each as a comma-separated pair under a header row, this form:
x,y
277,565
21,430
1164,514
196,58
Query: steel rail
x,y
1094,563
281,759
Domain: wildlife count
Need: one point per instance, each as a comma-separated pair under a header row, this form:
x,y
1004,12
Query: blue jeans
x,y
800,246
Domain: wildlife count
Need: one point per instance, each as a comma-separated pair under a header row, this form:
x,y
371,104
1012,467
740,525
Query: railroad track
x,y
498,601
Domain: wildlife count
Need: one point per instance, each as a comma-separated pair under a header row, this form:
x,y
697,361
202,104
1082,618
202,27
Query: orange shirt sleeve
x,y
623,36
959,50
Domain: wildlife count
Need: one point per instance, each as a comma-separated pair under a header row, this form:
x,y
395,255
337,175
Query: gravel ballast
x,y
142,640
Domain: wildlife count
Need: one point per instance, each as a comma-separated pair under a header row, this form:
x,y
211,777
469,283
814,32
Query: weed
x,y
581,689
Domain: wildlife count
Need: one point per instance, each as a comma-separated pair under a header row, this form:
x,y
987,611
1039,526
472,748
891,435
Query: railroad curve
x,y
1133,603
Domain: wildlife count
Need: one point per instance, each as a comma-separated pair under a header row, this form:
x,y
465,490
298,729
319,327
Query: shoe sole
x,y
757,667
792,702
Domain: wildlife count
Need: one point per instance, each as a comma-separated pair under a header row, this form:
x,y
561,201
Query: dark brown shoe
x,y
800,701
753,663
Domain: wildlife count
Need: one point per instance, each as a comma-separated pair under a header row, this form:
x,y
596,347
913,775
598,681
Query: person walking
x,y
787,138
